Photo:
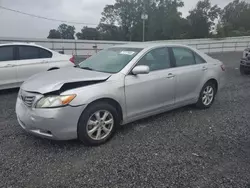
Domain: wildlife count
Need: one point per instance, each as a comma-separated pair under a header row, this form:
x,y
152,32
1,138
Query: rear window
x,y
44,53
6,53
31,52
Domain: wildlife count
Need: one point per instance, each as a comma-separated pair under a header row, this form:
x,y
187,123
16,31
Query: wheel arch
x,y
215,82
53,68
110,101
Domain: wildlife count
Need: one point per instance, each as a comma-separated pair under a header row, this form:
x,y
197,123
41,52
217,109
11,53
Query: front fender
x,y
88,94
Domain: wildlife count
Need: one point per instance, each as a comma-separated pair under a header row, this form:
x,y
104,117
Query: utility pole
x,y
144,17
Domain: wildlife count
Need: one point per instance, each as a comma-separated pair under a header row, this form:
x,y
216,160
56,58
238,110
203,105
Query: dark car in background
x,y
245,62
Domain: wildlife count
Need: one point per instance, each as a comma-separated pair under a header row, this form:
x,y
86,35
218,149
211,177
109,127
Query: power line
x,y
45,18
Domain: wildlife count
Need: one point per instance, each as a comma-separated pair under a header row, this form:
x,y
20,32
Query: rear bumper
x,y
56,123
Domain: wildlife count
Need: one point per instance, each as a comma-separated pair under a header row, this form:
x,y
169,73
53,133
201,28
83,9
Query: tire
x,y
202,103
89,121
243,71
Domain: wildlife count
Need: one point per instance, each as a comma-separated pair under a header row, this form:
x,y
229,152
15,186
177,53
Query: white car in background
x,y
19,61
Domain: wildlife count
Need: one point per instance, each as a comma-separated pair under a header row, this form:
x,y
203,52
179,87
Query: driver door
x,y
148,94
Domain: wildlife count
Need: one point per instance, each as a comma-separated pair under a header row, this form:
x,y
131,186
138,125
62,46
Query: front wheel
x,y
207,96
97,124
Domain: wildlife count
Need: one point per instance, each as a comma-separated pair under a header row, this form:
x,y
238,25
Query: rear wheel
x,y
97,124
207,96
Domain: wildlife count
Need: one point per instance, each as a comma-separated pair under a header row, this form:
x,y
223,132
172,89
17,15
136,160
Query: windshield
x,y
111,60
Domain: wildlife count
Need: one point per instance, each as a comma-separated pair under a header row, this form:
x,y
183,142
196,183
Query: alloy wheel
x,y
100,125
208,95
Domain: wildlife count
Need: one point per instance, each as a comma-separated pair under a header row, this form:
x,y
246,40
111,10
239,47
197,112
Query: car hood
x,y
54,80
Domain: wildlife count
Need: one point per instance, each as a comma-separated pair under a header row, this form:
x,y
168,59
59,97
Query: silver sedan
x,y
116,86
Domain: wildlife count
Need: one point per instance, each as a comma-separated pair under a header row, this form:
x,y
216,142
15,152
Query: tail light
x,y
72,59
223,68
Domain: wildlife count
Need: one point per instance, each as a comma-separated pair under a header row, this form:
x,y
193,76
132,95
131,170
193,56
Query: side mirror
x,y
140,69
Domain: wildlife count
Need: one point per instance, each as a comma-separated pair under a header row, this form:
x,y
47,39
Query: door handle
x,y
10,65
204,68
170,75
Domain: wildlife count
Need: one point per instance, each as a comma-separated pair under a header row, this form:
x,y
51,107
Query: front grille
x,y
27,98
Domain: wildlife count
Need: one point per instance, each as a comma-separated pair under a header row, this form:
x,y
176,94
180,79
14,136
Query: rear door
x,y
32,60
8,70
190,70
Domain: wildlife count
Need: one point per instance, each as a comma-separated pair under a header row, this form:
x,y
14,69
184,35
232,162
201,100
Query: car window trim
x,y
166,47
18,52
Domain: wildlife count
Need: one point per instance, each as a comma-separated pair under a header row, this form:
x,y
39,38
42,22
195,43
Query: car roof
x,y
20,43
144,45
25,44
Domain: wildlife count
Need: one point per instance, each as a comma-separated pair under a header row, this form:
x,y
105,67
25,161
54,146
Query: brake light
x,y
72,59
223,67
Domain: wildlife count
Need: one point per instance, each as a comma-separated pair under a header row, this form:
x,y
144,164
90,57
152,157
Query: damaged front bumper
x,y
55,123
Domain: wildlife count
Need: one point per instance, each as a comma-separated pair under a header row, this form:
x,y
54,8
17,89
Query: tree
x,y
201,19
164,21
109,15
121,13
168,20
88,33
122,21
235,18
54,34
220,30
110,32
126,11
66,31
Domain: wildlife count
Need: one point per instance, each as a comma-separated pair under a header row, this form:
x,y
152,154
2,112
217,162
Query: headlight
x,y
54,101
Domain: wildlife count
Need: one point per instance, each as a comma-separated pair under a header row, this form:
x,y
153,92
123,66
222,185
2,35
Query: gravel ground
x,y
182,148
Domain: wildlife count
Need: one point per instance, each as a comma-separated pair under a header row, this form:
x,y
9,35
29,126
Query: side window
x,y
28,52
44,53
183,57
7,53
199,59
156,59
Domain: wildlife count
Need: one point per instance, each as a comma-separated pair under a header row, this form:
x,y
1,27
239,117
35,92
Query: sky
x,y
83,11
